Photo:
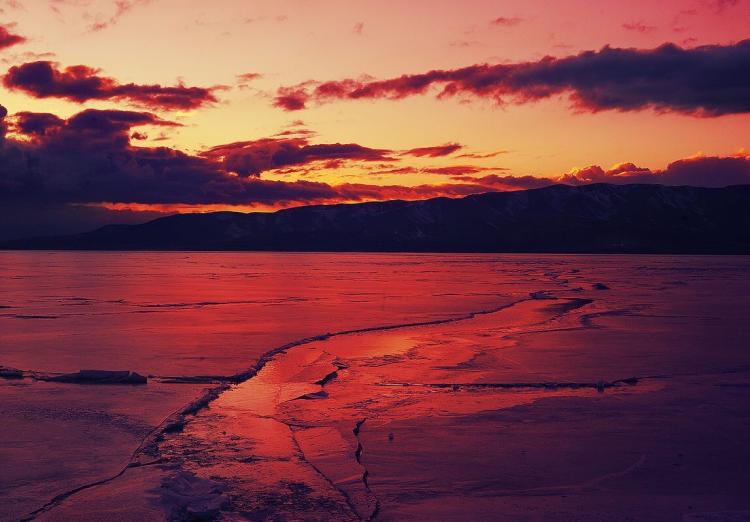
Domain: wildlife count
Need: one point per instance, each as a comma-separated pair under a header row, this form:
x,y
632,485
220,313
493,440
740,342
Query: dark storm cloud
x,y
710,80
88,158
80,83
37,123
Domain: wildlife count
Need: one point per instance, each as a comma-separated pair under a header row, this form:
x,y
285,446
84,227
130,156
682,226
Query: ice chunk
x,y
10,373
188,497
100,377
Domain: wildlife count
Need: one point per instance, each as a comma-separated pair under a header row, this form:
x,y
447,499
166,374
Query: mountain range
x,y
596,218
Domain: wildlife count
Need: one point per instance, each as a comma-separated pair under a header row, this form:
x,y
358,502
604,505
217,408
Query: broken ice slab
x,y
10,373
100,377
541,295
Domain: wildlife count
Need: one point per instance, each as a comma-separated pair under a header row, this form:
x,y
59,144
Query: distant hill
x,y
590,218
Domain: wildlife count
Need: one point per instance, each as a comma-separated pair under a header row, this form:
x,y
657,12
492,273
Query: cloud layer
x,y
250,158
711,80
701,171
436,151
80,83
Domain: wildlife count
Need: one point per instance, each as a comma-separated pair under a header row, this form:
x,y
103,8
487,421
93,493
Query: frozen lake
x,y
453,386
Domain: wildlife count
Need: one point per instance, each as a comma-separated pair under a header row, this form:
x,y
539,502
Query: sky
x,y
122,111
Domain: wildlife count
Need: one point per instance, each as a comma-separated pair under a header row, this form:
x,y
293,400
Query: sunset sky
x,y
257,105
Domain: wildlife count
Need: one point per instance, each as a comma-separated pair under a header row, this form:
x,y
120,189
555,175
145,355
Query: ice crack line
x,y
349,502
365,474
176,421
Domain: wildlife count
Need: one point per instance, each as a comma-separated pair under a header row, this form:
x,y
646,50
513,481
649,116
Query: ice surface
x,y
438,387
